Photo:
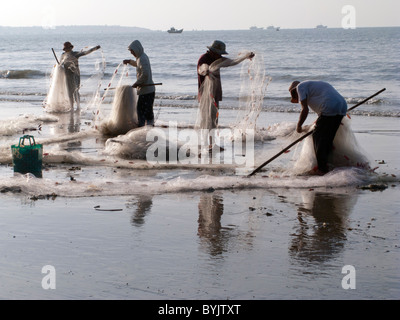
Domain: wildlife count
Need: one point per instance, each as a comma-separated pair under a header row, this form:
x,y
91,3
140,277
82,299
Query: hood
x,y
136,46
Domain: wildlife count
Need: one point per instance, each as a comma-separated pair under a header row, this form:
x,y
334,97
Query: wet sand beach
x,y
181,234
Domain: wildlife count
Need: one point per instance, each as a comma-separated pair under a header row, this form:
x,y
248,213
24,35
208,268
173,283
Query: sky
x,y
200,14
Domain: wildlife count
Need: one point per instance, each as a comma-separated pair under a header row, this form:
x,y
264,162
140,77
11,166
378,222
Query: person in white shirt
x,y
330,107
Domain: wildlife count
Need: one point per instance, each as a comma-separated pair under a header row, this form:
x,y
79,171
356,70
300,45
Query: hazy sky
x,y
199,15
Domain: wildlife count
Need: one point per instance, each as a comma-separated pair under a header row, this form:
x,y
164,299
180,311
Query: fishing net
x,y
346,152
123,117
66,87
207,116
90,88
208,112
144,143
133,145
58,98
254,83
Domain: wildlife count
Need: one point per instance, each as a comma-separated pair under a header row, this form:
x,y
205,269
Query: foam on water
x,y
23,123
125,184
118,166
21,74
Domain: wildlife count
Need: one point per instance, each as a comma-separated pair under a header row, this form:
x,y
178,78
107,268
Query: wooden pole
x,y
143,85
305,136
55,56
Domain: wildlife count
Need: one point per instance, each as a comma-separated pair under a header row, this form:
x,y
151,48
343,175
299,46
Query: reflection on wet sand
x,y
143,205
211,208
69,122
323,238
216,238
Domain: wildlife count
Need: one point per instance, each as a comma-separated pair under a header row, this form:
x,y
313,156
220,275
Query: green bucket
x,y
27,157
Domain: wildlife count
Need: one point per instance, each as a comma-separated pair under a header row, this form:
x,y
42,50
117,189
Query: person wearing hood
x,y
144,83
69,60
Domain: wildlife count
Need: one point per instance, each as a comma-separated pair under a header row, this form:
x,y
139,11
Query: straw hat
x,y
218,47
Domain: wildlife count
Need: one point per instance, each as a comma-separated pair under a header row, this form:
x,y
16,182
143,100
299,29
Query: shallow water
x,y
249,244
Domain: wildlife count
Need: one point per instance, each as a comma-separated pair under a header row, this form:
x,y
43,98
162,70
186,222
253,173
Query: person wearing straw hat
x,y
215,52
144,83
330,107
69,60
209,64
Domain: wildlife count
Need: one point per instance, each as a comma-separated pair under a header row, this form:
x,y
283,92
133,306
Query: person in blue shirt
x,y
330,107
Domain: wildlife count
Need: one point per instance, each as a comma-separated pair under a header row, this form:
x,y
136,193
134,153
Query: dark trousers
x,y
323,135
145,109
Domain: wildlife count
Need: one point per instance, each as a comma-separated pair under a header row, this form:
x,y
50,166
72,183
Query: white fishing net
x,y
123,98
346,152
207,116
132,145
58,98
123,117
254,83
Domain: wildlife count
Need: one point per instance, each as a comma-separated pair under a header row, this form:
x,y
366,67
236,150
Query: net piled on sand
x,y
58,100
123,117
346,152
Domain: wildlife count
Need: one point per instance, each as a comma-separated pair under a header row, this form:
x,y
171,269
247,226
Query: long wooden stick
x,y
143,85
305,136
55,56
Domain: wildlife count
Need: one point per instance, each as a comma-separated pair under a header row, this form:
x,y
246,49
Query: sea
x,y
357,62
116,225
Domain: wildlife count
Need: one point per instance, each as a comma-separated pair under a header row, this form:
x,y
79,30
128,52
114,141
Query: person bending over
x,y
330,107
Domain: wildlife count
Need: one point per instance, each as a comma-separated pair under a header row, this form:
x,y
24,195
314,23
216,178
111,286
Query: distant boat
x,y
254,28
173,30
320,26
273,28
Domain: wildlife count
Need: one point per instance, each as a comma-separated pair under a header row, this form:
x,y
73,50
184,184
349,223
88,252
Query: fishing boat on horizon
x,y
254,28
173,30
273,28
